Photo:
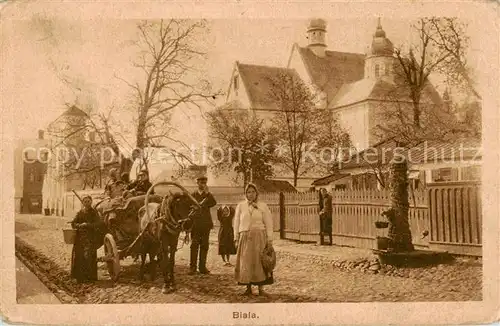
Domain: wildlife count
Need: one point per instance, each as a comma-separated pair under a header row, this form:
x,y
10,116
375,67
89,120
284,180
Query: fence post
x,y
282,214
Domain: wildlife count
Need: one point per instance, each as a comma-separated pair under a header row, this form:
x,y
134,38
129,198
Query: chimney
x,y
40,134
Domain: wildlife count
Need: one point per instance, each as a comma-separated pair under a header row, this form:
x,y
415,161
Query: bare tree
x,y
310,138
333,143
413,121
168,60
292,121
80,149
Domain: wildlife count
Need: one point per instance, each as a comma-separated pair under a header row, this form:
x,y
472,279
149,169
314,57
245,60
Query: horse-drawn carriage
x,y
127,221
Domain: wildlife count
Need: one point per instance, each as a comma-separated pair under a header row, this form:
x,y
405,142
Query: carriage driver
x,y
201,227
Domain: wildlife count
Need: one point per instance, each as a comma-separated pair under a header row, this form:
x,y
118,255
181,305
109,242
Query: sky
x,y
96,55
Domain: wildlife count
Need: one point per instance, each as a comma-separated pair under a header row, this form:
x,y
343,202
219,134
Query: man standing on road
x,y
201,227
325,215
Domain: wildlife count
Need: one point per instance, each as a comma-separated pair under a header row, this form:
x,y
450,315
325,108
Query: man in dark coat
x,y
325,216
141,185
88,239
201,227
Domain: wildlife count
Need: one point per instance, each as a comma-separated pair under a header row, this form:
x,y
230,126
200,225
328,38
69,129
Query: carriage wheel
x,y
112,256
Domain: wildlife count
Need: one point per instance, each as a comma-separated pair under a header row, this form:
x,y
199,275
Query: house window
x,y
445,174
471,173
92,136
340,187
32,177
377,71
236,86
442,175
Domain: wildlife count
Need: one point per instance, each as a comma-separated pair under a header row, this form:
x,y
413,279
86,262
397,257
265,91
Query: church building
x,y
356,86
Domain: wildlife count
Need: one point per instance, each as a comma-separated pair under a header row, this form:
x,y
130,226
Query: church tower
x,y
316,34
379,62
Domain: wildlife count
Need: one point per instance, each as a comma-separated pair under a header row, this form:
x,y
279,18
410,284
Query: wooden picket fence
x,y
456,217
450,213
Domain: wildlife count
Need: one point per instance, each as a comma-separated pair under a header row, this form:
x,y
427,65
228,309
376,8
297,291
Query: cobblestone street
x,y
304,273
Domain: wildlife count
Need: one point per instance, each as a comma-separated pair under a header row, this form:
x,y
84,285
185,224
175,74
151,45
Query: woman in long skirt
x,y
227,248
253,231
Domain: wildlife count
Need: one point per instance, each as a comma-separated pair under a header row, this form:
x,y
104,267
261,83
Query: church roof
x,y
258,80
381,89
333,70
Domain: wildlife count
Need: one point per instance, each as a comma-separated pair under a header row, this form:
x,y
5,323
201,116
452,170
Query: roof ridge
x,y
263,66
334,51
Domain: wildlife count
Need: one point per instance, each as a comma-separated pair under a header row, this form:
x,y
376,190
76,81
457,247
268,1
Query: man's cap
x,y
143,172
201,178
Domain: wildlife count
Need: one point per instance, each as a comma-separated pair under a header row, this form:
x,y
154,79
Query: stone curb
x,y
54,284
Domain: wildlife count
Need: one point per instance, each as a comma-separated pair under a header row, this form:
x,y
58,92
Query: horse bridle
x,y
173,226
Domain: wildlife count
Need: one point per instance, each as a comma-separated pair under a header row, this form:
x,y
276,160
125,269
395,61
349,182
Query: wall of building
x,y
32,187
355,119
295,62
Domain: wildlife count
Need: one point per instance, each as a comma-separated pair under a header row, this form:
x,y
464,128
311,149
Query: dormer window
x,y
377,71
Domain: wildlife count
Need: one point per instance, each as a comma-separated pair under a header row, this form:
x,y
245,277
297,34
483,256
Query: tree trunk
x,y
141,132
125,164
399,230
416,113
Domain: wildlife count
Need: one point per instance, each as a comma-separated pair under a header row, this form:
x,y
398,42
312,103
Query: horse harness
x,y
175,226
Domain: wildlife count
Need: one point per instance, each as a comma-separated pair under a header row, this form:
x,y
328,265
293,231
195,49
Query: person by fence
x,y
325,216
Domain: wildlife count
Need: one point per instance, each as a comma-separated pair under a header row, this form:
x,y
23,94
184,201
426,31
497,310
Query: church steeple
x,y
316,34
379,62
381,45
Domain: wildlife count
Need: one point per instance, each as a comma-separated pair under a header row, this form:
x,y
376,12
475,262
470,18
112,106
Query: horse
x,y
165,222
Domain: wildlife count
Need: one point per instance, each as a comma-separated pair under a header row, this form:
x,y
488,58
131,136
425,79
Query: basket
x,y
69,236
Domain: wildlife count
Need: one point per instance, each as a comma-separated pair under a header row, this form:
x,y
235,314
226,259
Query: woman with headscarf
x,y
89,233
225,215
253,233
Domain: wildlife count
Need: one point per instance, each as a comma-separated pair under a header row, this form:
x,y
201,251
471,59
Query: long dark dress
x,y
84,255
226,233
